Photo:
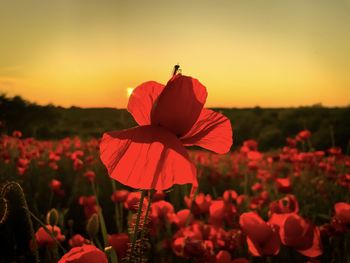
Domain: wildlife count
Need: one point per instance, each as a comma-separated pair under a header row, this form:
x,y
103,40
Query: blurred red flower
x,y
158,195
76,241
283,185
17,134
55,185
262,237
249,145
44,239
342,213
161,210
90,175
223,257
120,243
119,196
133,200
220,212
89,204
303,135
288,204
200,205
335,151
298,233
182,218
84,254
152,155
229,195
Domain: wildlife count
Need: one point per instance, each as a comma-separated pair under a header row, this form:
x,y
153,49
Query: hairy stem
x,y
139,211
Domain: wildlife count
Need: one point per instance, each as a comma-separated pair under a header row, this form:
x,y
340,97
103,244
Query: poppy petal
x,y
270,247
342,212
179,105
211,131
142,99
146,157
253,248
256,228
316,249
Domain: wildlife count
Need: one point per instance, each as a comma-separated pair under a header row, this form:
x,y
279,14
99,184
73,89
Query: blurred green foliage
x,y
269,126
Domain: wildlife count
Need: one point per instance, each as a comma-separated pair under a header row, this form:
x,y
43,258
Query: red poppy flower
x,y
161,210
223,257
283,185
119,196
76,241
17,134
291,142
229,195
190,248
55,185
90,175
152,155
262,237
288,204
158,195
133,200
221,211
44,239
120,243
257,187
342,213
89,204
335,151
249,145
84,254
200,205
298,233
182,218
303,135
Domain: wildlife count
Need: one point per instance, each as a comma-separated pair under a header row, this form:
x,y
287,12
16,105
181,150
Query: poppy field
x,y
284,206
137,195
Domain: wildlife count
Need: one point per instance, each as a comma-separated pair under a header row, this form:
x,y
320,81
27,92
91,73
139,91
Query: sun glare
x,y
129,91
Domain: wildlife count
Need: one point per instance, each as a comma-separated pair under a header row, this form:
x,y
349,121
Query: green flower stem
x,y
146,216
191,208
139,211
114,258
47,230
120,206
117,211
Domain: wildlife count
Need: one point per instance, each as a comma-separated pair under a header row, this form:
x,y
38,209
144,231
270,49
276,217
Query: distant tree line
x,y
269,126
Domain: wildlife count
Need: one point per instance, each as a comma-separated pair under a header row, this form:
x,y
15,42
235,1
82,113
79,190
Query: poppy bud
x,y
93,225
108,249
52,217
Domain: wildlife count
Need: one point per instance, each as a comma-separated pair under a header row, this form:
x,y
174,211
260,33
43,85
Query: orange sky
x,y
88,53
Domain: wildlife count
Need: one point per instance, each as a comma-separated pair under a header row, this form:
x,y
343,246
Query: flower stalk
x,y
136,227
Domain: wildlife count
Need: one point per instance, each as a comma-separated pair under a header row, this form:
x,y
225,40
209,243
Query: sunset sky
x,y
89,53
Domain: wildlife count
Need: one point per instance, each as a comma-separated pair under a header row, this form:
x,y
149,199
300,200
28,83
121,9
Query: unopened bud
x,y
52,217
108,249
93,225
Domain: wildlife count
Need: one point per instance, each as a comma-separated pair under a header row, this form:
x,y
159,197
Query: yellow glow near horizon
x,y
129,91
268,53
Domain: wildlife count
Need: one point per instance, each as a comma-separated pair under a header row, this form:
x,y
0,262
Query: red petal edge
x,y
142,99
211,131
